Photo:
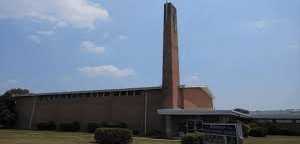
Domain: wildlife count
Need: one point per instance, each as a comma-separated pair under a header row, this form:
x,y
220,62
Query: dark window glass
x,y
123,93
130,93
107,94
191,126
116,93
138,93
199,125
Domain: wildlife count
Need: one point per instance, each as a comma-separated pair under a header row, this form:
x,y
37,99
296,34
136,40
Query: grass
x,y
46,137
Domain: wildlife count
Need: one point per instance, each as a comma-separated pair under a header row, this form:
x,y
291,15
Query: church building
x,y
171,108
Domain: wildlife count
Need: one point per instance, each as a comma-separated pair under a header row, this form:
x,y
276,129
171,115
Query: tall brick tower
x,y
170,81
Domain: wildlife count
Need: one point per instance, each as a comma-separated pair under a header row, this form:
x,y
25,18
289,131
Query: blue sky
x,y
247,52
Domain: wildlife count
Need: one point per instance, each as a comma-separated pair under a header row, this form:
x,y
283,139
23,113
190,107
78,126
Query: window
x,y
191,126
93,94
116,94
107,94
130,93
199,125
123,93
100,94
284,121
137,93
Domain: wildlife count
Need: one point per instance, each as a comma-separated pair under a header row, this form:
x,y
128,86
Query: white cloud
x,y
8,84
294,45
34,38
260,24
123,37
78,13
45,32
192,79
12,81
89,46
106,70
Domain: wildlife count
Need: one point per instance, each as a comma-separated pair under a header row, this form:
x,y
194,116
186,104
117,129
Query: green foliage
x,y
46,126
258,132
156,134
193,138
74,126
16,92
8,115
246,129
91,127
113,136
276,130
113,125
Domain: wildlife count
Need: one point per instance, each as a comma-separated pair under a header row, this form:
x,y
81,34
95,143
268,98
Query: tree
x,y
8,115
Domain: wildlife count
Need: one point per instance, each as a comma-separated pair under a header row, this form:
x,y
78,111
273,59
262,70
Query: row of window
x,y
278,121
88,95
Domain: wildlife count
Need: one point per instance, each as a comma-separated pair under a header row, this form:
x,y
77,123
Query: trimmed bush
x,y
246,130
46,126
92,127
275,130
74,126
113,136
258,132
113,125
156,134
193,138
136,132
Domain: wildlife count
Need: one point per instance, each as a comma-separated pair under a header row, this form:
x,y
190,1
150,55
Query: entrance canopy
x,y
202,112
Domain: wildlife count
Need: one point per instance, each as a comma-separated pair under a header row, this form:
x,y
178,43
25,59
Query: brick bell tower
x,y
170,78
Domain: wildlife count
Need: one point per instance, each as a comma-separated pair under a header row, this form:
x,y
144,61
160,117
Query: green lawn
x,y
44,137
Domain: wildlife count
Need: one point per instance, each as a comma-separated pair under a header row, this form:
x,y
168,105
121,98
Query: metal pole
x,y
32,113
145,116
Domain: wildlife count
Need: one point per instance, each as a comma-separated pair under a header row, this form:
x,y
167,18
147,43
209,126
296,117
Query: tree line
x,y
8,114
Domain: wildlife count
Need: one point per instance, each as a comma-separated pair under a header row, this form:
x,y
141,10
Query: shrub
x,y
275,130
92,127
136,132
193,138
113,136
74,126
113,125
156,134
258,132
245,129
46,126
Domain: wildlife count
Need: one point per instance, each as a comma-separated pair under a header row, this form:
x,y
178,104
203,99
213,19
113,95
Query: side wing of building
x,y
135,107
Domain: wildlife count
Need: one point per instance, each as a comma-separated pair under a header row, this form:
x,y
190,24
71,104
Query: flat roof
x,y
204,87
276,114
204,112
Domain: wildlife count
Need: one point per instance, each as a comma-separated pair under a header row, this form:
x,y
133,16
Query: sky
x,y
247,52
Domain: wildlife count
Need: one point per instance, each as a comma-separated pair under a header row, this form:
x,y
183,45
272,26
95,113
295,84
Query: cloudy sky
x,y
247,52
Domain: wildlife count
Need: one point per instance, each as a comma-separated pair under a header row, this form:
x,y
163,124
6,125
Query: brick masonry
x,y
137,107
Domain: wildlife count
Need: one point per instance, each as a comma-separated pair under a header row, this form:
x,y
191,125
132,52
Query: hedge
x,y
246,130
46,126
91,127
193,138
113,125
74,126
113,136
258,132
